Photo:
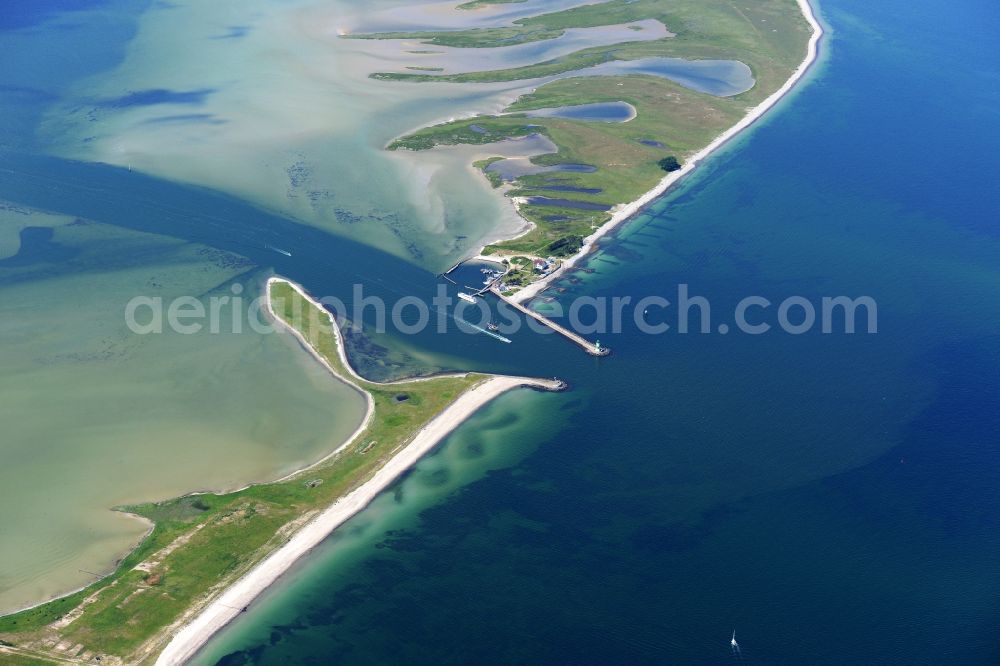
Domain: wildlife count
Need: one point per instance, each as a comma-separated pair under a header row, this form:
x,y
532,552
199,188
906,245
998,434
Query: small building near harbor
x,y
545,266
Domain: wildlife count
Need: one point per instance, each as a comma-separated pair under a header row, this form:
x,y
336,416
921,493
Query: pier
x,y
591,348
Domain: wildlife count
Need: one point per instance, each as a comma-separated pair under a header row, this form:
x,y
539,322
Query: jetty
x,y
592,348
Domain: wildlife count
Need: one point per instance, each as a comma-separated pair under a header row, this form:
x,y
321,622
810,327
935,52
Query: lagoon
x,y
608,112
515,167
402,54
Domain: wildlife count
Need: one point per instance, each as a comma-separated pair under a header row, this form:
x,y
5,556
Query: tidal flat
x,y
286,117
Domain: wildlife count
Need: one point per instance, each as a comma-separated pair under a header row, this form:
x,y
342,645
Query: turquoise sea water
x,y
831,498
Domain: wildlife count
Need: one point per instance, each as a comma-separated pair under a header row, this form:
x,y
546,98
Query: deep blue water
x,y
833,498
29,14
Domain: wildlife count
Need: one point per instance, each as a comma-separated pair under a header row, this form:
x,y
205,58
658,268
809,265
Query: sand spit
x,y
224,608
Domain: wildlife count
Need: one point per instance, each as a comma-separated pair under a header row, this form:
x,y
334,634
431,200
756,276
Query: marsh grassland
x,y
674,118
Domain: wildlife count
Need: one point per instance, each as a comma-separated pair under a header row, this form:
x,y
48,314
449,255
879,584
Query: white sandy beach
x,y
625,212
203,624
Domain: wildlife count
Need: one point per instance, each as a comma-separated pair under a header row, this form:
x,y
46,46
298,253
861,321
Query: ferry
x,y
279,250
465,297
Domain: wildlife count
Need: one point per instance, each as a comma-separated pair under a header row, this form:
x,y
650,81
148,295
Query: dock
x,y
594,349
478,291
492,284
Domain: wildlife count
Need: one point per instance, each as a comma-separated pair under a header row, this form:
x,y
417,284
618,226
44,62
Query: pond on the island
x,y
607,112
568,203
722,78
515,167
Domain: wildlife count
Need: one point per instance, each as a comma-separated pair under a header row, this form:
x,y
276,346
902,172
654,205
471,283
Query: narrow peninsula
x,y
210,555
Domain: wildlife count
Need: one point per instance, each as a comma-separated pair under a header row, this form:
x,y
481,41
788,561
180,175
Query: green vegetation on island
x,y
626,167
202,543
521,270
468,131
628,158
475,38
492,176
669,164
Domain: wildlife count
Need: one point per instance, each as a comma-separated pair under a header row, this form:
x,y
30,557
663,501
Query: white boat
x,y
732,641
465,297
